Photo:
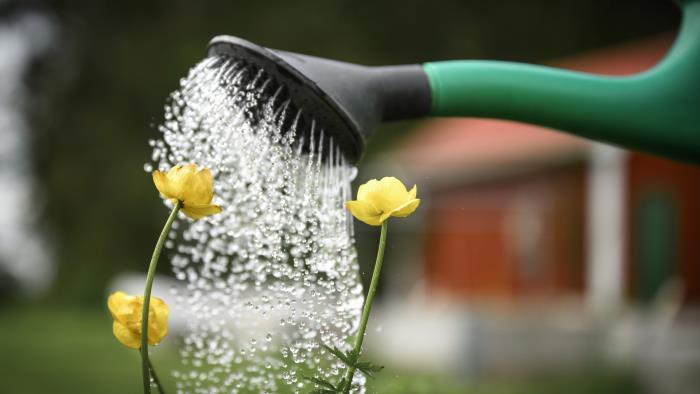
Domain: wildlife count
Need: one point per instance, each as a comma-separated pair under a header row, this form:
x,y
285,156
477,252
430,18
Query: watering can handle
x,y
657,111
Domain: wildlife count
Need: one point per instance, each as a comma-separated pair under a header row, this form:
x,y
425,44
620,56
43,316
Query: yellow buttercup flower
x,y
126,312
194,189
379,200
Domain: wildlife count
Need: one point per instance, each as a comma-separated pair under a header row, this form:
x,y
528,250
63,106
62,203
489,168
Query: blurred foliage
x,y
103,89
43,340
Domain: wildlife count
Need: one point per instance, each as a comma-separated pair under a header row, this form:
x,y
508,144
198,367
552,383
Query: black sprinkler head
x,y
346,100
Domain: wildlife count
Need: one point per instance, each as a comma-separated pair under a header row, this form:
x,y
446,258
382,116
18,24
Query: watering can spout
x,y
657,111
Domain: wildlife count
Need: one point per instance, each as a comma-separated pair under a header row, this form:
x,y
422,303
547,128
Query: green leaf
x,y
353,357
339,353
369,366
341,385
320,382
369,369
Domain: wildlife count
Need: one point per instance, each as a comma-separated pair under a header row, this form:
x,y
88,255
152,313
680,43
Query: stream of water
x,y
275,275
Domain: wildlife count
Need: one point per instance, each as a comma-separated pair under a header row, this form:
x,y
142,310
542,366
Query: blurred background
x,y
538,262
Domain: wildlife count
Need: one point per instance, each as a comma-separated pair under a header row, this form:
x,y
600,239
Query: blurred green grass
x,y
55,349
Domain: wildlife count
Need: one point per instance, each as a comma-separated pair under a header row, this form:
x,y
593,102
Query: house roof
x,y
450,145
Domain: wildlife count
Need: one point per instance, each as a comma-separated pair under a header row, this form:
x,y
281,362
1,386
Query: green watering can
x,y
656,111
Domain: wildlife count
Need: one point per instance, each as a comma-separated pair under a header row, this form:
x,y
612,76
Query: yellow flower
x,y
191,187
126,311
378,200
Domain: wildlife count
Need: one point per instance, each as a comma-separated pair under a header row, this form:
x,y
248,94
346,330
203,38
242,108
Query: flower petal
x,y
120,306
172,173
406,209
413,192
174,176
114,301
179,177
127,337
200,211
198,188
162,184
366,189
385,195
364,212
393,186
157,321
385,216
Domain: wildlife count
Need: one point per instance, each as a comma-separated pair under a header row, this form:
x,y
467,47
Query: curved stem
x,y
147,298
161,390
368,305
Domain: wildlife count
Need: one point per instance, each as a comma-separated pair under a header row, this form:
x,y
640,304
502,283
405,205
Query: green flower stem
x,y
147,298
161,390
357,348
